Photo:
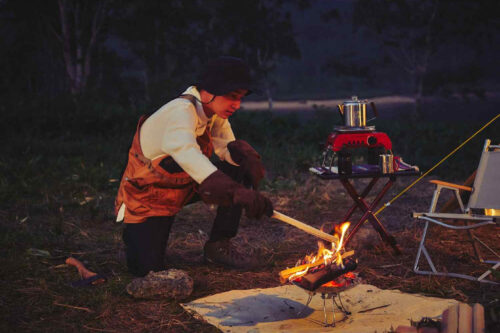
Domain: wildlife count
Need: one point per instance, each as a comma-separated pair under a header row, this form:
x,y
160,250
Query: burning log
x,y
285,274
316,278
322,269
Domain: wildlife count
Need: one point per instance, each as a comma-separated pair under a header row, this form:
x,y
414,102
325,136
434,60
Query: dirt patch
x,y
311,105
433,108
37,296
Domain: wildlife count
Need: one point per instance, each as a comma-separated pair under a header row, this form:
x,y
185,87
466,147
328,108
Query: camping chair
x,y
483,208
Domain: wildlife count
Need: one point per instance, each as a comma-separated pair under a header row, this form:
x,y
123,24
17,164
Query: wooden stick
x,y
285,274
375,308
73,307
305,227
98,329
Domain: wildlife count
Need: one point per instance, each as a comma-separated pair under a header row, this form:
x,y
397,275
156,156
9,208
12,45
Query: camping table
x,y
359,199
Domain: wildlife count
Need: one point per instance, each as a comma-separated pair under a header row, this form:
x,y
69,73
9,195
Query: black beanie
x,y
222,75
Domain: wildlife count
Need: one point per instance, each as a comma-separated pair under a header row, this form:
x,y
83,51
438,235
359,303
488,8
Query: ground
x,y
58,195
37,296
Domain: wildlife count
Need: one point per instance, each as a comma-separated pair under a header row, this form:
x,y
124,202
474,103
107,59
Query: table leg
x,y
363,194
368,214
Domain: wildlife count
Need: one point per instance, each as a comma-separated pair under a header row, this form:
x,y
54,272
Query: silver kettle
x,y
353,112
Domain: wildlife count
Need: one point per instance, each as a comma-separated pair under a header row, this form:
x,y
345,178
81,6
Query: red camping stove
x,y
344,140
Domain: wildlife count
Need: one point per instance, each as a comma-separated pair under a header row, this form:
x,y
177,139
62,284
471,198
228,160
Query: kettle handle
x,y
340,107
375,112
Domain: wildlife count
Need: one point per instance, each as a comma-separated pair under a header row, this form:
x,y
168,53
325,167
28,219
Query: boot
x,y
226,253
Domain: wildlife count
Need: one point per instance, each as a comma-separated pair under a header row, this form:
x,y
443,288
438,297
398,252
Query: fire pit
x,y
328,273
328,277
331,290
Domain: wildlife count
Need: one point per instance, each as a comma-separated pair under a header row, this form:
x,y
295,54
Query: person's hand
x,y
220,189
248,159
256,205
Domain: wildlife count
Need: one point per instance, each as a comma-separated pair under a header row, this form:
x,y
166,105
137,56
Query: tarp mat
x,y
277,310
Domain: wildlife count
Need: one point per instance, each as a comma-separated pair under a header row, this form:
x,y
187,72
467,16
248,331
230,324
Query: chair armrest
x,y
451,185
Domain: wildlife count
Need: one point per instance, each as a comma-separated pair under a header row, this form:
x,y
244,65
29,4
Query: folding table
x,y
368,208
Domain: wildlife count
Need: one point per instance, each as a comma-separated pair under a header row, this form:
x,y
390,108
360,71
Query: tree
x,y
53,41
165,40
414,31
172,39
26,58
74,45
262,33
80,23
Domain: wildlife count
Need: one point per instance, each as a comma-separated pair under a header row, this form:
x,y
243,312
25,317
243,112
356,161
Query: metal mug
x,y
386,163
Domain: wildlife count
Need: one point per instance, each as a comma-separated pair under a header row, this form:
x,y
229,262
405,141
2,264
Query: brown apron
x,y
148,190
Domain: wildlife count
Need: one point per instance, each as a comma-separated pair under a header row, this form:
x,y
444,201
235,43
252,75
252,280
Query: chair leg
x,y
434,271
421,248
475,241
435,198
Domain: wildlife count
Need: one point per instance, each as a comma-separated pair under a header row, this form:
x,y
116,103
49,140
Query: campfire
x,y
330,268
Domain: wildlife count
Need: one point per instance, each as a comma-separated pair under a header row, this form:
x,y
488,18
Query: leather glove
x,y
248,159
220,189
256,205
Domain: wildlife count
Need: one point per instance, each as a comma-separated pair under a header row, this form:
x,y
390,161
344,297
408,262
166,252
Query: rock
x,y
172,283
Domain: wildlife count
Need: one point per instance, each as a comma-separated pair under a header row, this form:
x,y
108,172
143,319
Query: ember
x,y
328,268
346,280
326,276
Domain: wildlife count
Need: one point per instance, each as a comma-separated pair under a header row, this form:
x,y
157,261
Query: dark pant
x,y
146,242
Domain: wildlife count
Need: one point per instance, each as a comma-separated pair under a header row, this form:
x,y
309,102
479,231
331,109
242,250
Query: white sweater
x,y
172,131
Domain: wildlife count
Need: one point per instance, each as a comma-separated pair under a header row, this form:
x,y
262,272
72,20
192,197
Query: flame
x,y
325,255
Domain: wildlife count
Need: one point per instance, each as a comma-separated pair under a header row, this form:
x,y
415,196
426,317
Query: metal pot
x,y
353,112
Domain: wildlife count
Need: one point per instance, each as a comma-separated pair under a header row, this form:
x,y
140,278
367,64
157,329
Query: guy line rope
x,y
387,204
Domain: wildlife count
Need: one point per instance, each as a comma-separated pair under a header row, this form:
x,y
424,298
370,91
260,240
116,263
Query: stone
x,y
172,283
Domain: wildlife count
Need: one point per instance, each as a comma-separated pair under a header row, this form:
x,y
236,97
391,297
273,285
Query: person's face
x,y
225,106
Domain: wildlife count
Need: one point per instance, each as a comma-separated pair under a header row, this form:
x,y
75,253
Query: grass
x,y
80,151
290,146
58,177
